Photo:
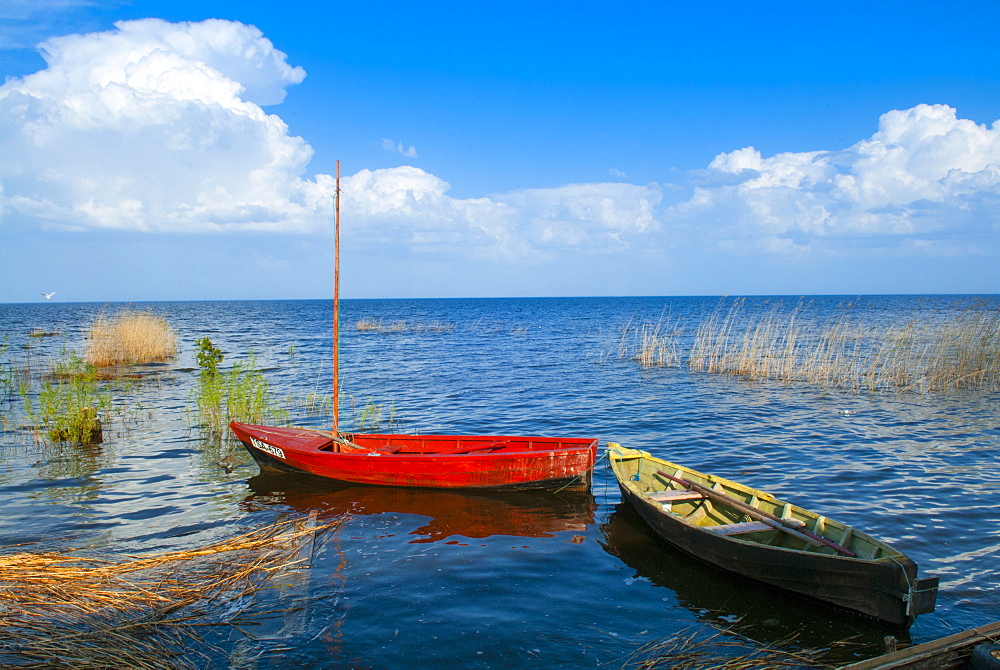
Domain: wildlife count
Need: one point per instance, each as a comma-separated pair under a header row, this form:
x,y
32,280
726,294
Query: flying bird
x,y
48,296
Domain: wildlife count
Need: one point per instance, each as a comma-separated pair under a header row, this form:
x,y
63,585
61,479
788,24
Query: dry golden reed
x,y
651,344
62,610
725,649
129,337
933,351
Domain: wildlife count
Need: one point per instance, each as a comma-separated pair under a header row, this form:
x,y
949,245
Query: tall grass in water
x,y
958,349
241,393
651,344
373,416
377,326
129,337
15,373
71,406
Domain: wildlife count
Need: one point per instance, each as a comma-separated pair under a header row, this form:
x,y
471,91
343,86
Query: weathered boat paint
x,y
881,582
436,461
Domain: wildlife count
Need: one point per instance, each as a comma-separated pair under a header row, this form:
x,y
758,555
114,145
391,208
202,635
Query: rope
x,y
580,476
908,599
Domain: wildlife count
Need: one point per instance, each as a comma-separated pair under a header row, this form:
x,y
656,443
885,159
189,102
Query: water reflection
x,y
70,471
471,515
754,610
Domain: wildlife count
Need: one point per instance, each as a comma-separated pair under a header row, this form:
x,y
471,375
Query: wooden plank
x,y
738,528
674,495
948,652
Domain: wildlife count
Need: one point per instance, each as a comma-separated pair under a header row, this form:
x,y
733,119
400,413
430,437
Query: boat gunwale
x,y
575,444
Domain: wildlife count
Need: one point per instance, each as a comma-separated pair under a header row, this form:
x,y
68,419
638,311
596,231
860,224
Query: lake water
x,y
477,580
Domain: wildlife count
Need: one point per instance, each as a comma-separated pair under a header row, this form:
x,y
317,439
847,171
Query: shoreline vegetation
x,y
74,398
908,352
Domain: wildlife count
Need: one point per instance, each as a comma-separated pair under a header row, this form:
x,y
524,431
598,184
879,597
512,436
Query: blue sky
x,y
176,150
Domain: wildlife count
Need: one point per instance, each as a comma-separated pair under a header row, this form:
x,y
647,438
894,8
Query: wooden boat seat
x,y
738,528
490,446
467,449
674,495
476,450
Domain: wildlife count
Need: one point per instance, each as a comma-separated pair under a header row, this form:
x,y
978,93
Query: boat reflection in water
x,y
472,515
749,608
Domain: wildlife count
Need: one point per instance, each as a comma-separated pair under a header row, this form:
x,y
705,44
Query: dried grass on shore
x,y
725,649
61,610
130,337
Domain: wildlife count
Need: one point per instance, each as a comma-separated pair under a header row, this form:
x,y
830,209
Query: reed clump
x,y
241,393
379,326
958,349
651,344
726,649
73,406
374,417
63,610
15,374
130,337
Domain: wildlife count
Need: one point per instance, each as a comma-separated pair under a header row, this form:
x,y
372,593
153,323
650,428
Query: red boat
x,y
436,461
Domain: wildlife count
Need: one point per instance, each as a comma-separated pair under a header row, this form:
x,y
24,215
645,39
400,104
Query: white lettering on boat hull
x,y
265,447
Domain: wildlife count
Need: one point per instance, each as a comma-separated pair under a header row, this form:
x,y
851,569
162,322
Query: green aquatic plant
x,y
208,356
6,371
241,393
373,416
72,405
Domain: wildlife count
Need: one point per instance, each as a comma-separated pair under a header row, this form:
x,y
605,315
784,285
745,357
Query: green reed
x,y
241,393
373,417
15,377
72,405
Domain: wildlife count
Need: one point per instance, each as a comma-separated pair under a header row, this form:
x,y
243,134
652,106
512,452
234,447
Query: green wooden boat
x,y
753,534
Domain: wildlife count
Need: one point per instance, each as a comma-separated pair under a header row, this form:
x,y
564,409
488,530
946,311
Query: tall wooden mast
x,y
336,309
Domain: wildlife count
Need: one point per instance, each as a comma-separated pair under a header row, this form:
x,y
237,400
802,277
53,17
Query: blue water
x,y
417,578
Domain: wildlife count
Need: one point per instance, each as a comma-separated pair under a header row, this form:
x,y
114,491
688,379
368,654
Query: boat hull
x,y
433,461
881,587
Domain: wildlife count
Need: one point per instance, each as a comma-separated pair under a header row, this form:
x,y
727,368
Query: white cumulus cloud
x,y
406,205
160,127
156,126
925,173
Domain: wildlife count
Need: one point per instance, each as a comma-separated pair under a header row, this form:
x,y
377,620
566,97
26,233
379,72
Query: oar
x,y
774,521
340,439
